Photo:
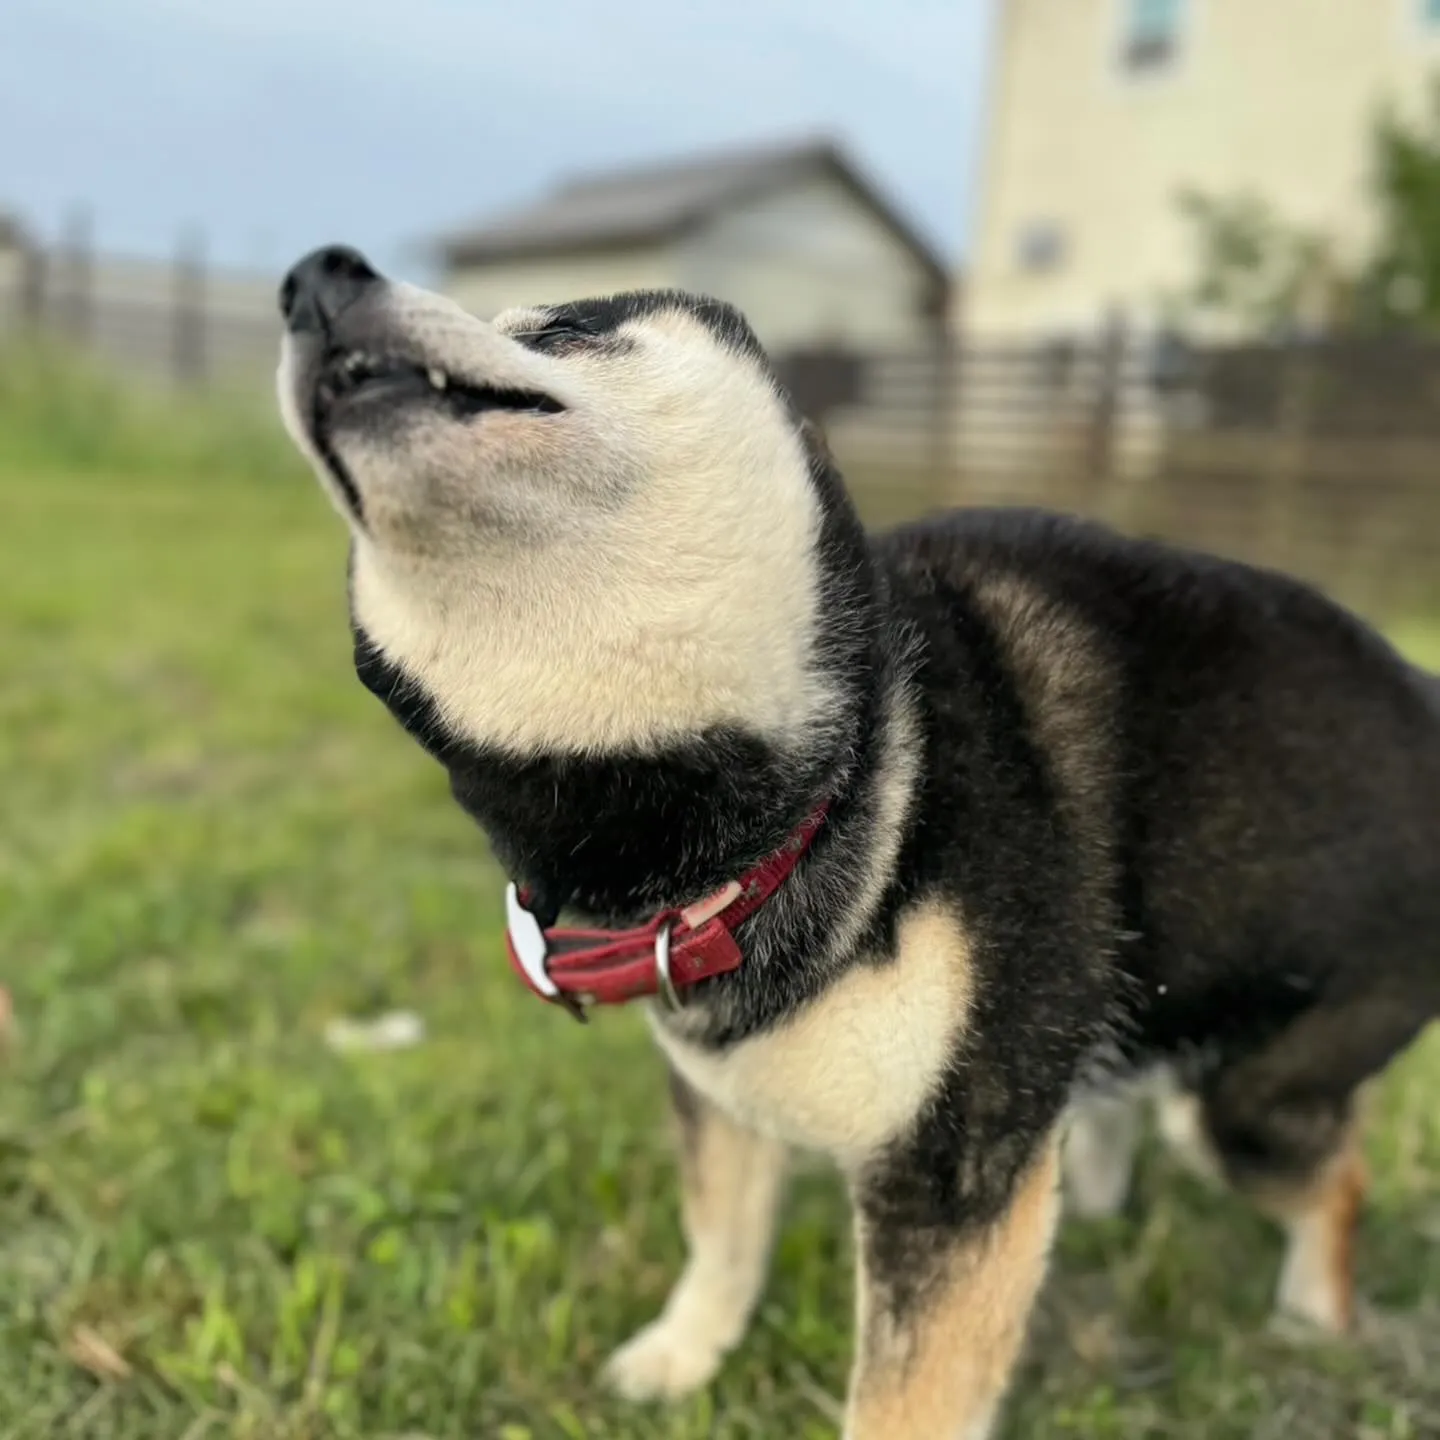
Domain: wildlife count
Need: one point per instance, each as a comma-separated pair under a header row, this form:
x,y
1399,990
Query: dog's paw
x,y
1304,1332
661,1363
1099,1156
1096,1197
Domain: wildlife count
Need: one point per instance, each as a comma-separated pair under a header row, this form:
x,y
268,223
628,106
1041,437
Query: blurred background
x,y
1173,263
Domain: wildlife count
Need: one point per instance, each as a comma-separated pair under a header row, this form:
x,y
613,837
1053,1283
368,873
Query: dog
x,y
919,847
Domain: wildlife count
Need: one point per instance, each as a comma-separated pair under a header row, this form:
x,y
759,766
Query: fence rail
x,y
1321,458
175,321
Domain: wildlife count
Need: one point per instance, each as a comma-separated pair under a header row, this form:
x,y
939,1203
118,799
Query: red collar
x,y
678,948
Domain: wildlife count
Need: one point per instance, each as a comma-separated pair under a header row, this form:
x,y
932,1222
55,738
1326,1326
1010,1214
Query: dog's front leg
x,y
732,1180
943,1300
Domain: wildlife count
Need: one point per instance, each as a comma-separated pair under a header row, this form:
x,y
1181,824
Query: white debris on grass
x,y
395,1030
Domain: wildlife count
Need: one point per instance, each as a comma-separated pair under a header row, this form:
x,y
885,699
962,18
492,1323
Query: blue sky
x,y
277,124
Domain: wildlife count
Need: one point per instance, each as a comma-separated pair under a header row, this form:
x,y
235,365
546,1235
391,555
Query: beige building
x,y
1103,111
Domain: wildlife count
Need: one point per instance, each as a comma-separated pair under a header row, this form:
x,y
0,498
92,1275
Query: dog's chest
x,y
851,1070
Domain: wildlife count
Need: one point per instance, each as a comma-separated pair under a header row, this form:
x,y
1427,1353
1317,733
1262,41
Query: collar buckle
x,y
532,954
577,968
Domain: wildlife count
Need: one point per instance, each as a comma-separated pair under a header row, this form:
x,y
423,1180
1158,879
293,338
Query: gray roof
x,y
666,199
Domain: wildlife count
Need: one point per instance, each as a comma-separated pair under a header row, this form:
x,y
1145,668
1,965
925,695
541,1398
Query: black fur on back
x,y
1276,790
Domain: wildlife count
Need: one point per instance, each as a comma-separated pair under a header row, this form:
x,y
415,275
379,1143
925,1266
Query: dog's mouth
x,y
356,382
355,378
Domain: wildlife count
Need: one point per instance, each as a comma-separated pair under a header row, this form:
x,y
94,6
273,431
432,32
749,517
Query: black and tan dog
x,y
930,841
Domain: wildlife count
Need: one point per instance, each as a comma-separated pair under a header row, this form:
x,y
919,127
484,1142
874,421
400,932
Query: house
x,y
1103,111
796,235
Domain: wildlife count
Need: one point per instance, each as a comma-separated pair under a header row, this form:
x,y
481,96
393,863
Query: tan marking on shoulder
x,y
852,1069
944,1370
1065,681
897,776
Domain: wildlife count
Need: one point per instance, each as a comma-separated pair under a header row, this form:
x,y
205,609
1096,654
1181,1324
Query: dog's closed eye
x,y
557,335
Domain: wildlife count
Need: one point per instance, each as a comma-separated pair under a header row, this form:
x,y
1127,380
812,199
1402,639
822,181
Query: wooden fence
x,y
1322,459
175,320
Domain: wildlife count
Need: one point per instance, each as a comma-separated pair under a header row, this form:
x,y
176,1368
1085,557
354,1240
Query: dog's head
x,y
581,526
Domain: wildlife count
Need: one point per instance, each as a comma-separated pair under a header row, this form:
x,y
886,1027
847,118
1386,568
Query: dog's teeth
x,y
437,379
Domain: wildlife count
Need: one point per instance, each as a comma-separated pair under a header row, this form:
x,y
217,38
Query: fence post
x,y
33,262
1105,413
942,420
187,337
78,314
1293,415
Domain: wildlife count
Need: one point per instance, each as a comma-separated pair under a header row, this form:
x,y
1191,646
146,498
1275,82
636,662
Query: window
x,y
1152,33
1430,14
1040,247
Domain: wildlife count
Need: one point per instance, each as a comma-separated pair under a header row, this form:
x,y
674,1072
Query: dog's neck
x,y
617,830
616,839
617,836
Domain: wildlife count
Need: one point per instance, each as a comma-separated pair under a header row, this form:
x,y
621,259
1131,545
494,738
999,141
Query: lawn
x,y
212,1224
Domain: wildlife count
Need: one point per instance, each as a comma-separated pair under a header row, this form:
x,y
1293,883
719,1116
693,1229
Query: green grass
x,y
210,1224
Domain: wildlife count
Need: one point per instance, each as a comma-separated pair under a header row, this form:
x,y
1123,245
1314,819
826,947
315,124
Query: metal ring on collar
x,y
668,993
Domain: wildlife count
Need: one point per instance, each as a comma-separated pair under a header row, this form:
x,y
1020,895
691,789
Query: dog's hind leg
x,y
732,1180
1312,1186
944,1299
1281,1124
1101,1138
1317,1284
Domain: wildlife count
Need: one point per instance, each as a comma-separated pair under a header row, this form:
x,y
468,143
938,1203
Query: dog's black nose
x,y
314,293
